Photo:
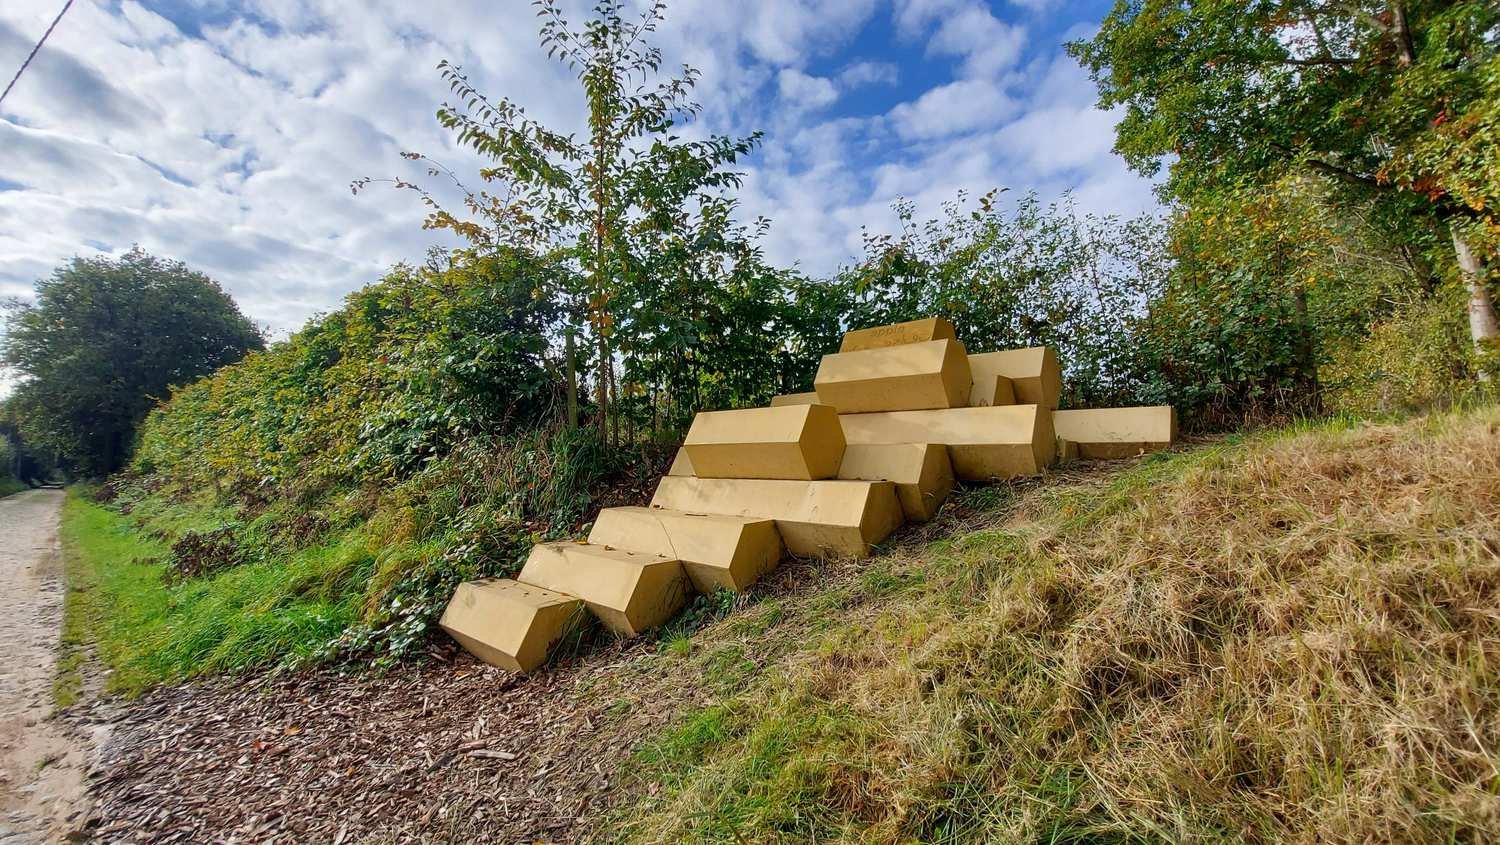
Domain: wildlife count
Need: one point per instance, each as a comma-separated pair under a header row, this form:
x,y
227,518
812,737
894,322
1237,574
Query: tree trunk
x,y
1484,325
572,367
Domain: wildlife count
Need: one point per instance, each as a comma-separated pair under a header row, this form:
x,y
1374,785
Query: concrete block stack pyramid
x,y
894,417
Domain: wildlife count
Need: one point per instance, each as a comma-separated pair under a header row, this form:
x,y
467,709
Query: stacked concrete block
x,y
718,552
1005,441
990,390
921,472
899,334
1106,433
1034,374
803,442
681,463
816,518
809,398
509,624
629,591
934,374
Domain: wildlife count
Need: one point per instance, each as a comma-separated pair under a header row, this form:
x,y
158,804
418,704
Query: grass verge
x,y
149,630
10,486
1291,637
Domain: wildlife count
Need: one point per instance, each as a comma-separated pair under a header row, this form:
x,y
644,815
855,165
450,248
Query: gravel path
x,y
43,760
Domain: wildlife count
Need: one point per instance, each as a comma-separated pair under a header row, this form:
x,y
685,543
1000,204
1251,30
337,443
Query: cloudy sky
x,y
226,132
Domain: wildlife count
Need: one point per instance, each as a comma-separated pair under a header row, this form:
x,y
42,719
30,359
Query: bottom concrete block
x,y
816,518
718,552
1106,433
629,591
920,471
509,624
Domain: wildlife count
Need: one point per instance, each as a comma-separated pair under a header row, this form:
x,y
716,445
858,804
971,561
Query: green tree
x,y
1238,96
608,208
103,342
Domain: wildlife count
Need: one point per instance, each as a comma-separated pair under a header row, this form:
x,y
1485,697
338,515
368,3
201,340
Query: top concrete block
x,y
799,442
628,591
916,331
1106,433
509,624
915,376
1034,375
809,398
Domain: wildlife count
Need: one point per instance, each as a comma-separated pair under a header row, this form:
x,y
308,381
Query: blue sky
x,y
226,134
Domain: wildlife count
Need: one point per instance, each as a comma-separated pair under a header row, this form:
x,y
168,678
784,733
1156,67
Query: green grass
x,y
9,486
149,632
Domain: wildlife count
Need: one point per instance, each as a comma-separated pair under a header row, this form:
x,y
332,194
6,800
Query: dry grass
x,y
1293,638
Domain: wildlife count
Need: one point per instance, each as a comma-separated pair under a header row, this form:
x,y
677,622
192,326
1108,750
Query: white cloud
x,y
869,73
804,92
955,108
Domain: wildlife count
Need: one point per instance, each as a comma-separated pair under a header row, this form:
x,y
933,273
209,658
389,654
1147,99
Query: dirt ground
x,y
43,760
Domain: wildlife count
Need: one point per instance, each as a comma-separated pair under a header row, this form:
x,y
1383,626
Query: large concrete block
x,y
629,591
509,624
802,442
896,378
729,552
916,331
681,463
816,518
1005,441
1105,433
1034,374
921,472
809,398
992,390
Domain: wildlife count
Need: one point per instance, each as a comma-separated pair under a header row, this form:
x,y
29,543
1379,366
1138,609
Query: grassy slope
x,y
149,631
1288,638
9,485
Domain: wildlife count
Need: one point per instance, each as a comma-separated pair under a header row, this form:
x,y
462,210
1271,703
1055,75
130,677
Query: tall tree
x,y
1238,95
103,342
596,205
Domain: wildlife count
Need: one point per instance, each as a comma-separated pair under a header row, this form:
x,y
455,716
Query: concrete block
x,y
1067,451
816,518
629,591
995,390
916,331
1005,441
1034,374
1106,433
808,398
509,624
729,552
921,472
681,463
896,378
802,442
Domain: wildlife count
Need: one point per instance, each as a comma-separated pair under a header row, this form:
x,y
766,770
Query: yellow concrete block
x,y
808,398
1004,441
916,331
729,552
921,472
995,390
629,591
1105,433
801,442
509,624
1067,451
1034,374
816,518
896,378
681,463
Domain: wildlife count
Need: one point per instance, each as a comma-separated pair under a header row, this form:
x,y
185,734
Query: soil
x,y
44,757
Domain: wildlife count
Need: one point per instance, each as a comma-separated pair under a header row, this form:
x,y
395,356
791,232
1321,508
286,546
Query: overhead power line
x,y
34,50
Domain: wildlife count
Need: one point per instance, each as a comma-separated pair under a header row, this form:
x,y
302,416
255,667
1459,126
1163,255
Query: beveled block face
x,y
915,331
509,624
809,398
629,591
1106,433
1006,441
681,463
799,442
1034,374
815,518
910,377
921,472
989,391
729,552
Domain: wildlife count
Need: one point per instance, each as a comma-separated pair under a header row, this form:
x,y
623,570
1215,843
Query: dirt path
x,y
42,760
